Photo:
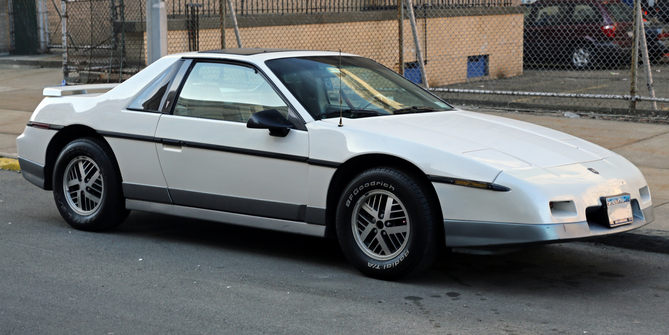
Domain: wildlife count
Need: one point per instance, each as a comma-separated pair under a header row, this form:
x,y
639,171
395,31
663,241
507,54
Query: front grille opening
x,y
597,214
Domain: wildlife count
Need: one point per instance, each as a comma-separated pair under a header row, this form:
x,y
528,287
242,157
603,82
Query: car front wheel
x,y
87,186
387,224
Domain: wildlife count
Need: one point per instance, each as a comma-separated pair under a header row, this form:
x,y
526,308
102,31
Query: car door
x,y
211,160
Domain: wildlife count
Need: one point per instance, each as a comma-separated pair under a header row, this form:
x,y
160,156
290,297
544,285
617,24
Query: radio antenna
x,y
341,124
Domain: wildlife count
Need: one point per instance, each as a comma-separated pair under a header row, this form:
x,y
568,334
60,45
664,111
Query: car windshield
x,y
620,12
359,87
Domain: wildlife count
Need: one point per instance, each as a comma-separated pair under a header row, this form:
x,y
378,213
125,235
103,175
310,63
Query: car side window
x,y
149,100
227,92
549,16
585,14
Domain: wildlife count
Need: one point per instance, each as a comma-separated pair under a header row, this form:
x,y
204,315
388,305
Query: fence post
x,y
122,60
41,22
46,25
635,57
12,38
221,9
63,25
646,59
112,21
419,53
193,25
234,23
400,32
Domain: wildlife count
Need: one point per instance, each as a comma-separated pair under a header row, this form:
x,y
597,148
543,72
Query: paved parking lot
x,y
562,80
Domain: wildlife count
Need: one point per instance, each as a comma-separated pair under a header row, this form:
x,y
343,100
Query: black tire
x,y
582,57
393,246
93,201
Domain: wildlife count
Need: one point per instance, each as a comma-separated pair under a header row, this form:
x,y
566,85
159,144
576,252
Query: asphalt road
x,y
162,275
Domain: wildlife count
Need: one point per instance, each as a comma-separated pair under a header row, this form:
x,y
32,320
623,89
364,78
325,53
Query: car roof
x,y
258,54
247,51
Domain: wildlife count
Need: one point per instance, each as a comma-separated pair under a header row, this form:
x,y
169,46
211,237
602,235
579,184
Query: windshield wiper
x,y
350,111
414,109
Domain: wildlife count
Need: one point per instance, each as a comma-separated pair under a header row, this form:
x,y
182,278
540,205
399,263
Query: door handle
x,y
176,143
172,145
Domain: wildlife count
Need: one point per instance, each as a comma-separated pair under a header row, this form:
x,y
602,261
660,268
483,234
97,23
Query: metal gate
x,y
94,40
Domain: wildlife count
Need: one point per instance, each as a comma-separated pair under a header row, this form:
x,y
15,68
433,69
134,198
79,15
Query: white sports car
x,y
323,144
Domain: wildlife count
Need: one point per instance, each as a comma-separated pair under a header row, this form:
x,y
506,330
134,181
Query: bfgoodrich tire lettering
x,y
387,223
87,186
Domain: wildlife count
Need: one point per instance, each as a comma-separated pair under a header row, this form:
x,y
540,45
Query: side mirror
x,y
270,119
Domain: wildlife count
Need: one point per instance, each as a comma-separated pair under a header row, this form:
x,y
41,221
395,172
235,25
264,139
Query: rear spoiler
x,y
58,91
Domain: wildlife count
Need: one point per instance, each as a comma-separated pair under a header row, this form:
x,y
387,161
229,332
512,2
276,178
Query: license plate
x,y
619,210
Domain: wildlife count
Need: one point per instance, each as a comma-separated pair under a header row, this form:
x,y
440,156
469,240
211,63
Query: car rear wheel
x,y
387,224
87,186
582,57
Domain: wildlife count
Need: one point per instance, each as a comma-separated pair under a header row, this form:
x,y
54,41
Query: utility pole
x,y
156,30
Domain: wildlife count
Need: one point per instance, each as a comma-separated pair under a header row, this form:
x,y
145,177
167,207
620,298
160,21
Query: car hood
x,y
496,141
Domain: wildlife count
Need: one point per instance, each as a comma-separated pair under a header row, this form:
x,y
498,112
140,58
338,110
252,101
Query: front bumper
x,y
463,234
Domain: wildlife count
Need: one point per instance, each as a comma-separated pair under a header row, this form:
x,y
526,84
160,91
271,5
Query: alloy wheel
x,y
380,225
83,185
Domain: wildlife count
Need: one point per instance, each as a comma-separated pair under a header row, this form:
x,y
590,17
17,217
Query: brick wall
x,y
452,38
449,45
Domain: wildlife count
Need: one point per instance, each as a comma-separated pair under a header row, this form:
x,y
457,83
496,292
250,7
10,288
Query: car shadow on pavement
x,y
231,237
553,269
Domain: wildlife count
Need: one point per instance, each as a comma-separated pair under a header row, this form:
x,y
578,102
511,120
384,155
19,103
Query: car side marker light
x,y
470,183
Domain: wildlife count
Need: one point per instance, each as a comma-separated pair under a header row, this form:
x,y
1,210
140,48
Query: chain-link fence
x,y
370,28
577,55
555,54
97,47
53,22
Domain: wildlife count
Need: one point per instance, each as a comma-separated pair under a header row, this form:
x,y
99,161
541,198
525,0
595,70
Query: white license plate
x,y
619,210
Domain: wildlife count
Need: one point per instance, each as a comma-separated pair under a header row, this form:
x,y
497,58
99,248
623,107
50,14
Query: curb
x,y
35,62
9,164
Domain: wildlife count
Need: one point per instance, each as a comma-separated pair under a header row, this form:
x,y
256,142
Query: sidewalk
x,y
22,79
645,145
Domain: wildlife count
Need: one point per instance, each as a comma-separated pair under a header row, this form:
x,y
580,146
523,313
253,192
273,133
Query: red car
x,y
584,33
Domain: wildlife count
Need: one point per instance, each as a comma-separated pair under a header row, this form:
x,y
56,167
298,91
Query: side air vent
x,y
563,209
